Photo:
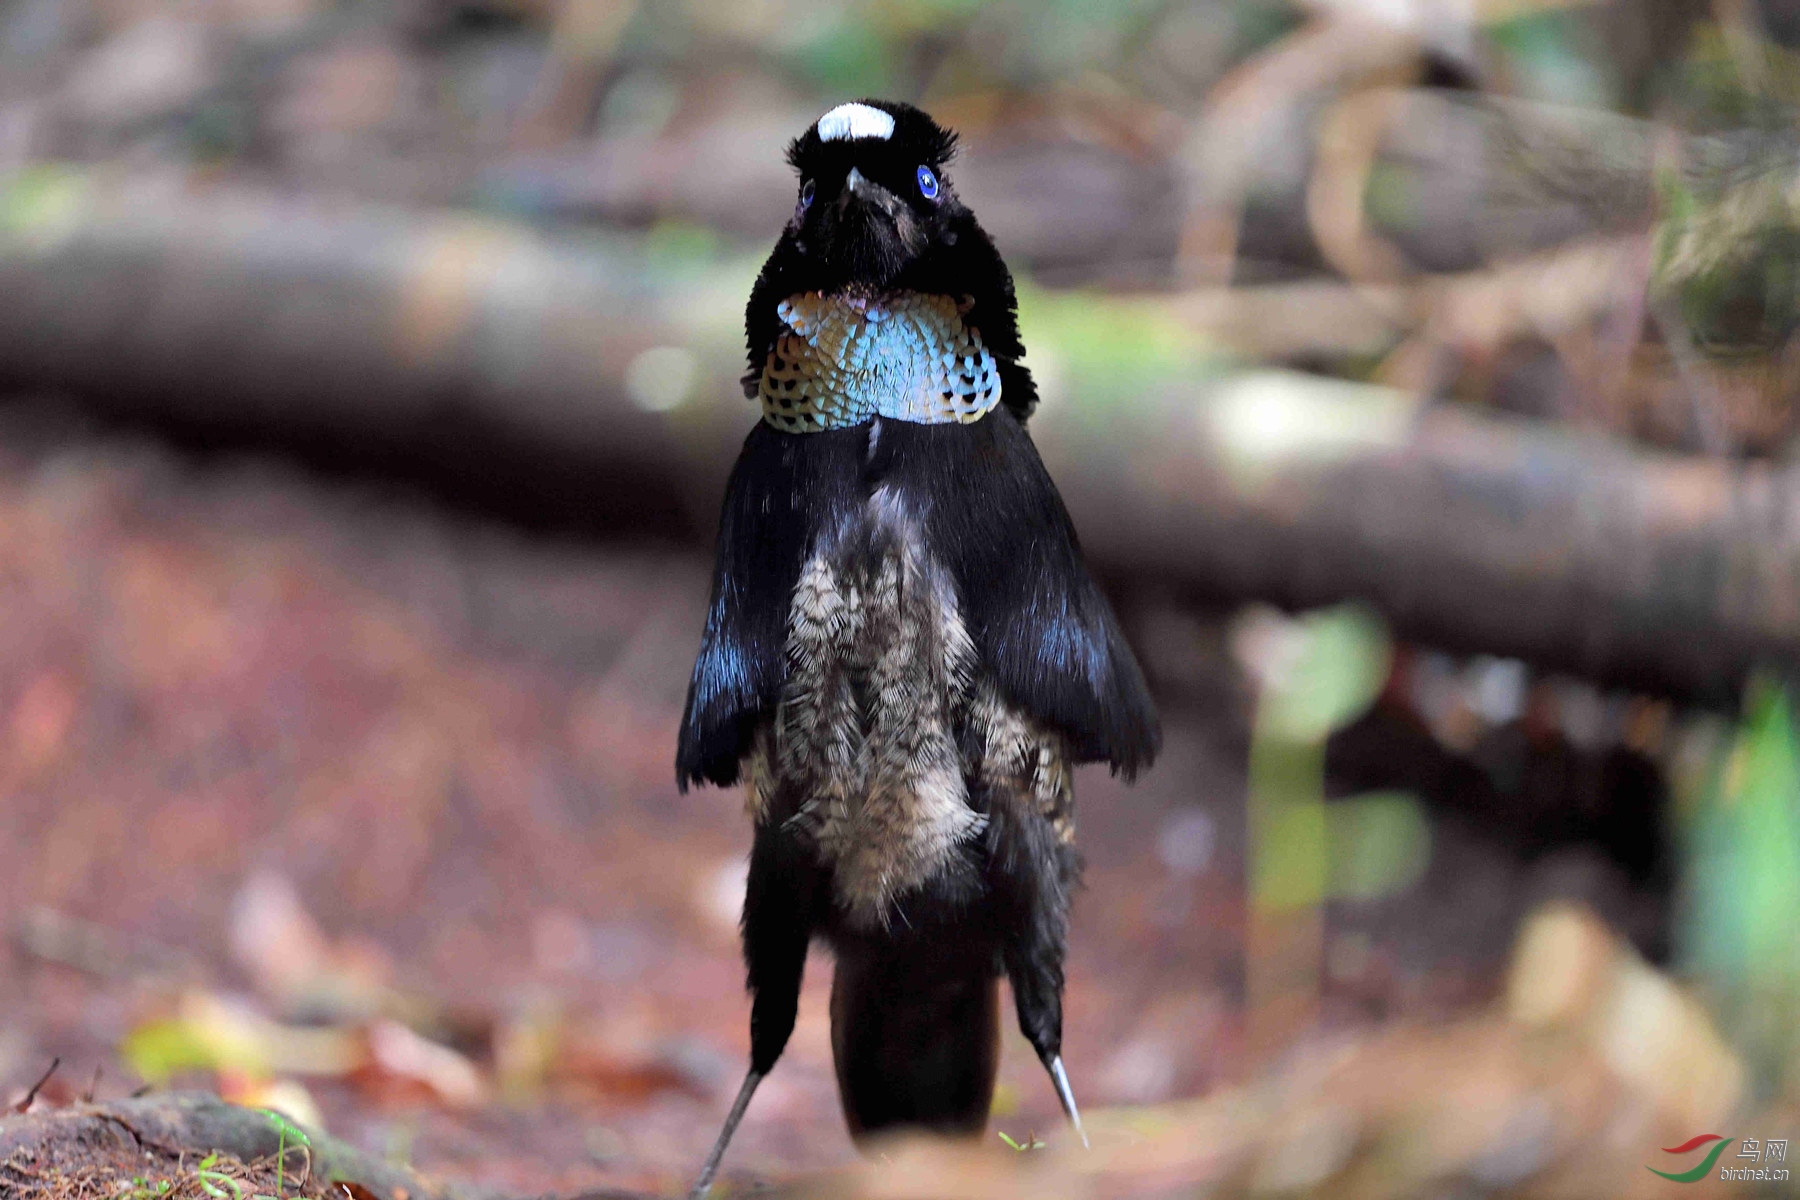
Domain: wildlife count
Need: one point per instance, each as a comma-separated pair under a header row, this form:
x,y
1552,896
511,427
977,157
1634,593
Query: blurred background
x,y
1421,375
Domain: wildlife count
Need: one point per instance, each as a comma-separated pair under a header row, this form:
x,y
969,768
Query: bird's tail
x,y
915,1036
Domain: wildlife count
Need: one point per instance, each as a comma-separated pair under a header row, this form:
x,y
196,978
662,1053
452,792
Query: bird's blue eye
x,y
806,194
928,183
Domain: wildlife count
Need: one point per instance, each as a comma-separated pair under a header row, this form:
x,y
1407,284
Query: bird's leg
x,y
1034,892
1040,1018
1060,1078
778,921
711,1166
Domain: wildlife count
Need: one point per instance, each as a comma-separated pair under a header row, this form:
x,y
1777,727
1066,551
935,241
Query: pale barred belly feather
x,y
1023,762
864,757
841,360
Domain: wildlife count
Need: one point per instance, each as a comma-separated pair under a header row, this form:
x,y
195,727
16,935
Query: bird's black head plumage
x,y
876,211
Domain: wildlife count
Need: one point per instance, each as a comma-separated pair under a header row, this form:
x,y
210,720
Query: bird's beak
x,y
857,186
869,232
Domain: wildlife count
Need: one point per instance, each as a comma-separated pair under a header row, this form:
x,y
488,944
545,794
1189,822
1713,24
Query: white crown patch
x,y
847,122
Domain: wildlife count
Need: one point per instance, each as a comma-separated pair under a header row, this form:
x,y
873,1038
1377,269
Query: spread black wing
x,y
1039,622
784,489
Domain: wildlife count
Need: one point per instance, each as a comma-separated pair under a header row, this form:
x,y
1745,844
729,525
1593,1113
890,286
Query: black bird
x,y
904,655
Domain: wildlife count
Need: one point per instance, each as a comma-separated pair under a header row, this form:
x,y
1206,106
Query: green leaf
x,y
1740,922
1380,844
160,1049
1335,674
286,1128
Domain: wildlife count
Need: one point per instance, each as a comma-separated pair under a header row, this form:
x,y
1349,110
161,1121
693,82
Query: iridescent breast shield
x,y
843,360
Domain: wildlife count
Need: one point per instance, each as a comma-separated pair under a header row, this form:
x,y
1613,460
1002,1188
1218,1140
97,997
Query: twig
x,y
31,1095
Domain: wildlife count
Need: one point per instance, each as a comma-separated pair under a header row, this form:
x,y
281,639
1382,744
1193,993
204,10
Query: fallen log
x,y
150,1136
1510,537
477,355
67,1153
585,380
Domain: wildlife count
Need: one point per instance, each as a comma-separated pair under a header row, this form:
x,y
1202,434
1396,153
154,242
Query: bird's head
x,y
875,207
877,222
